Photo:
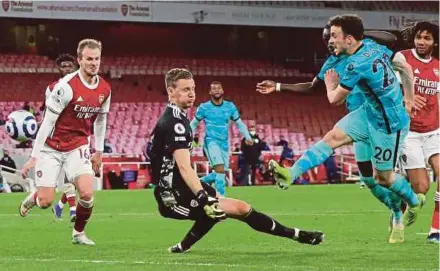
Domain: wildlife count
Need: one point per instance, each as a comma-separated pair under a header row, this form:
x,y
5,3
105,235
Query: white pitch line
x,y
422,233
192,263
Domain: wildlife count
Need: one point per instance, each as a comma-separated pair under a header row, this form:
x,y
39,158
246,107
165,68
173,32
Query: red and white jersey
x,y
77,104
51,87
426,84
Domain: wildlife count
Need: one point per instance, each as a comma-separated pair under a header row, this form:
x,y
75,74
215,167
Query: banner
x,y
78,10
169,12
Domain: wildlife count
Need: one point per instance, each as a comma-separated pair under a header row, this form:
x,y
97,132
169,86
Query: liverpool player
x,y
66,64
62,141
422,143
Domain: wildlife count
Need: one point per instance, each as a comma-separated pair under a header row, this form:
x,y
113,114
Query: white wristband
x,y
278,87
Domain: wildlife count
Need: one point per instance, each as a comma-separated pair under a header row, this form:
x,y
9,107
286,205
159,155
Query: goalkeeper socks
x,y
384,195
435,214
262,223
220,183
403,189
210,178
313,157
198,230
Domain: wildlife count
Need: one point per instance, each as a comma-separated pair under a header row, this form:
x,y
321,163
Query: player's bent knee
x,y
219,169
86,195
336,138
44,202
86,203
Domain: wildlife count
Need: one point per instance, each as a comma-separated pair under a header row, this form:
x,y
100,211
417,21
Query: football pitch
x,y
131,235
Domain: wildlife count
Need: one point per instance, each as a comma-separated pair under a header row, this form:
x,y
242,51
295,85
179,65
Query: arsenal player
x,y
62,141
421,146
66,64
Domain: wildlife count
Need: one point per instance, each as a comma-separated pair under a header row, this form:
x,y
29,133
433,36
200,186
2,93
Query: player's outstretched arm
x,y
382,37
268,86
399,64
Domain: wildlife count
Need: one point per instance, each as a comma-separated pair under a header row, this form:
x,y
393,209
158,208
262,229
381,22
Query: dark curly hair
x,y
65,57
410,30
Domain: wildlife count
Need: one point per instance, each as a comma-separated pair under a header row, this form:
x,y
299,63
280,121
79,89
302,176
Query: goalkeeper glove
x,y
210,206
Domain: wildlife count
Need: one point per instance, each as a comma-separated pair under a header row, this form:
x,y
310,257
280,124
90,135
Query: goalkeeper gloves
x,y
210,206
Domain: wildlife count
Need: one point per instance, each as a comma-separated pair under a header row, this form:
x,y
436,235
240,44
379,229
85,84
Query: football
x,y
21,126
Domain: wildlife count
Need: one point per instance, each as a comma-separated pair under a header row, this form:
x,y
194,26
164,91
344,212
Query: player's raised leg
x,y
352,126
47,168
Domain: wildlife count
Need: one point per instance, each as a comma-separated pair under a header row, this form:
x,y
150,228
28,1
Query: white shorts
x,y
52,165
418,148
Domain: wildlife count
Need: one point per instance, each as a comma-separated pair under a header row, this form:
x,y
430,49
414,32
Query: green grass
x,y
130,235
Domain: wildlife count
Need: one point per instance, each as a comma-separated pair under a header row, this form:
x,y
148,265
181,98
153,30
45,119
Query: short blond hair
x,y
175,74
90,43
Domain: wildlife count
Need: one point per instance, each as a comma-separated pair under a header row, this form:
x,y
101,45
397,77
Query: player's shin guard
x,y
313,157
210,178
435,214
403,189
262,223
198,230
220,183
384,195
83,213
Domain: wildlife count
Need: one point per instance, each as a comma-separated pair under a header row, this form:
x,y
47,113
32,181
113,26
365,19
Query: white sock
x,y
73,208
74,232
60,204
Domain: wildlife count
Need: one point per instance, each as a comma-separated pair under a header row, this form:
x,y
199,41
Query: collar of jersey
x,y
87,85
175,107
359,48
414,53
217,104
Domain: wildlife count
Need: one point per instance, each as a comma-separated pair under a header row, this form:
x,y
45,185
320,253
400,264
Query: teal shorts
x,y
216,155
384,148
362,151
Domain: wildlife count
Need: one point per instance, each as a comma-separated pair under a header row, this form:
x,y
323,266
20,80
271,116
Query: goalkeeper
x,y
179,192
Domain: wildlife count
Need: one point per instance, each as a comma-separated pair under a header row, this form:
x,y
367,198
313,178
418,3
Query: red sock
x,y
71,200
435,215
82,216
63,198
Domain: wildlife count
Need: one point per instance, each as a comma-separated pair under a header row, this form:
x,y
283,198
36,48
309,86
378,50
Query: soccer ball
x,y
21,126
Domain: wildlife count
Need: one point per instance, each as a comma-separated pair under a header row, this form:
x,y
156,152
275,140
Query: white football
x,y
21,126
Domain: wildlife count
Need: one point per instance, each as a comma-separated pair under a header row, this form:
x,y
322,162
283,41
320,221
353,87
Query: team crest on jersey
x,y
101,98
59,92
404,158
179,128
39,174
350,67
194,203
436,72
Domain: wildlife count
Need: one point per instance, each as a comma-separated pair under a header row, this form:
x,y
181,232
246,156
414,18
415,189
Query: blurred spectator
x,y
31,46
287,153
196,141
24,145
282,142
252,155
7,162
332,170
236,147
264,145
108,147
